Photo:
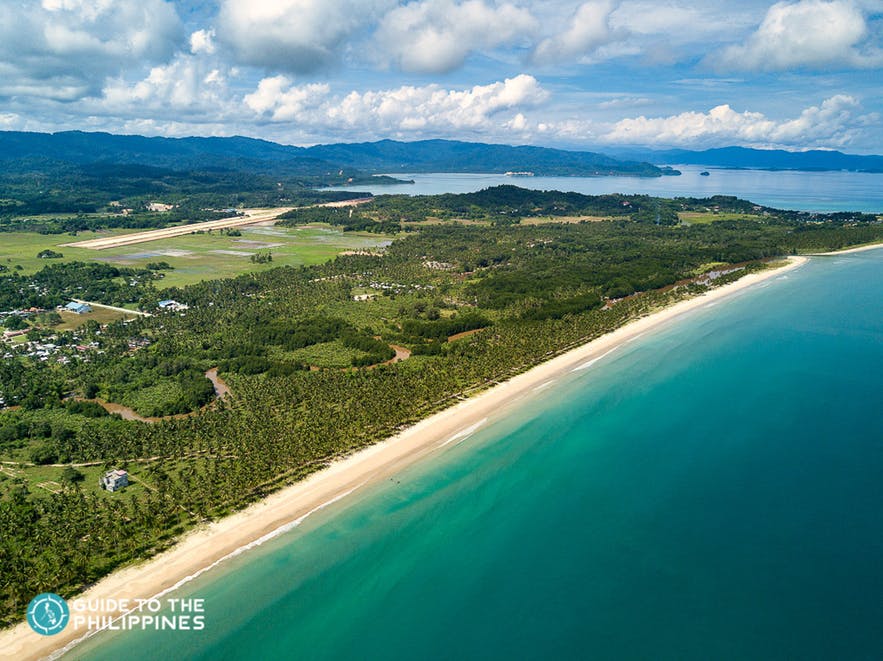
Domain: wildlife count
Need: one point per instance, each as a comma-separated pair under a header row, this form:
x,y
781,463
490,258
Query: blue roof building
x,y
79,308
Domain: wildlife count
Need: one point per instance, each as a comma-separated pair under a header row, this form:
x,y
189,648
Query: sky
x,y
798,74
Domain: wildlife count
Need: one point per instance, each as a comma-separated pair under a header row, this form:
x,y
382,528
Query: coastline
x,y
206,547
846,251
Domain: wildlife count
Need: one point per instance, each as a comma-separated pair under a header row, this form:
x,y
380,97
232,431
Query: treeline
x,y
29,384
55,284
441,329
558,308
317,330
507,204
36,186
351,219
84,223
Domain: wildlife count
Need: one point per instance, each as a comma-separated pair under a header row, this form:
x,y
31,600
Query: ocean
x,y
804,191
711,490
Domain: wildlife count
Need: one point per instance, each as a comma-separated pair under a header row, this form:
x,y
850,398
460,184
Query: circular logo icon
x,y
48,614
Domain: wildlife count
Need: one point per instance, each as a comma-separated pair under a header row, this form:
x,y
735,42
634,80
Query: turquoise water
x,y
806,191
712,490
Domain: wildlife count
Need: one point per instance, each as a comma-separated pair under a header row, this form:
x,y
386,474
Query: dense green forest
x,y
45,187
444,311
509,205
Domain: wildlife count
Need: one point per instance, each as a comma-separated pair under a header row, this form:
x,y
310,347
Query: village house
x,y
114,480
174,306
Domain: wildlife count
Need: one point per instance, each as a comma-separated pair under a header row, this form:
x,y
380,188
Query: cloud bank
x,y
834,123
436,36
402,110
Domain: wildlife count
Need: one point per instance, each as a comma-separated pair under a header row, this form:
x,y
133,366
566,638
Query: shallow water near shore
x,y
709,490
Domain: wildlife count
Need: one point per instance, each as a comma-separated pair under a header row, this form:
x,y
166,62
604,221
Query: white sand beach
x,y
846,251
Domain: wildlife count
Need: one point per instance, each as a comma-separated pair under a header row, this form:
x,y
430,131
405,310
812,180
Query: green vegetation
x,y
54,197
531,290
49,254
58,283
510,205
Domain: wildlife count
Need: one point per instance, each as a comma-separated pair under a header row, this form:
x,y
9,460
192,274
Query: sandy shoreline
x,y
870,246
206,547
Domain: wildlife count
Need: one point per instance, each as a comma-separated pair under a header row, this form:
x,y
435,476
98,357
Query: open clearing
x,y
545,220
192,255
100,314
704,217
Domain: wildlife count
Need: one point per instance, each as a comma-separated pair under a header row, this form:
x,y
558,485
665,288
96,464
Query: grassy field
x,y
43,480
326,354
545,220
705,217
195,257
72,320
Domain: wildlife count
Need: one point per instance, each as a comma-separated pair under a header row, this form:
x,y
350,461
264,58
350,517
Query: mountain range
x,y
765,159
23,150
19,149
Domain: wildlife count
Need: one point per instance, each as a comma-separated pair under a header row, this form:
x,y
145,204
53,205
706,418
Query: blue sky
x,y
604,73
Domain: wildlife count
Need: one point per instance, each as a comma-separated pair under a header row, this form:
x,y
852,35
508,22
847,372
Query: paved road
x,y
252,216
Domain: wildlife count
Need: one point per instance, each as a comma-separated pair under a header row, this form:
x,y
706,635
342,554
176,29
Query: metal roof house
x,y
79,308
172,305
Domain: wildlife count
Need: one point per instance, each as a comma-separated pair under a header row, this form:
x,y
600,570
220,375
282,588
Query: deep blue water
x,y
806,191
712,490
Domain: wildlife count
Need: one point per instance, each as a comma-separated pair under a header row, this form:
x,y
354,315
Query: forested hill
x,y
248,154
453,156
180,154
765,159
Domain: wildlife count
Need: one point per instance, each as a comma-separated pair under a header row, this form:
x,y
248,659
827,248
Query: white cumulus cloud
x,y
187,85
436,36
298,36
400,110
805,34
588,30
282,101
836,122
63,49
202,41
